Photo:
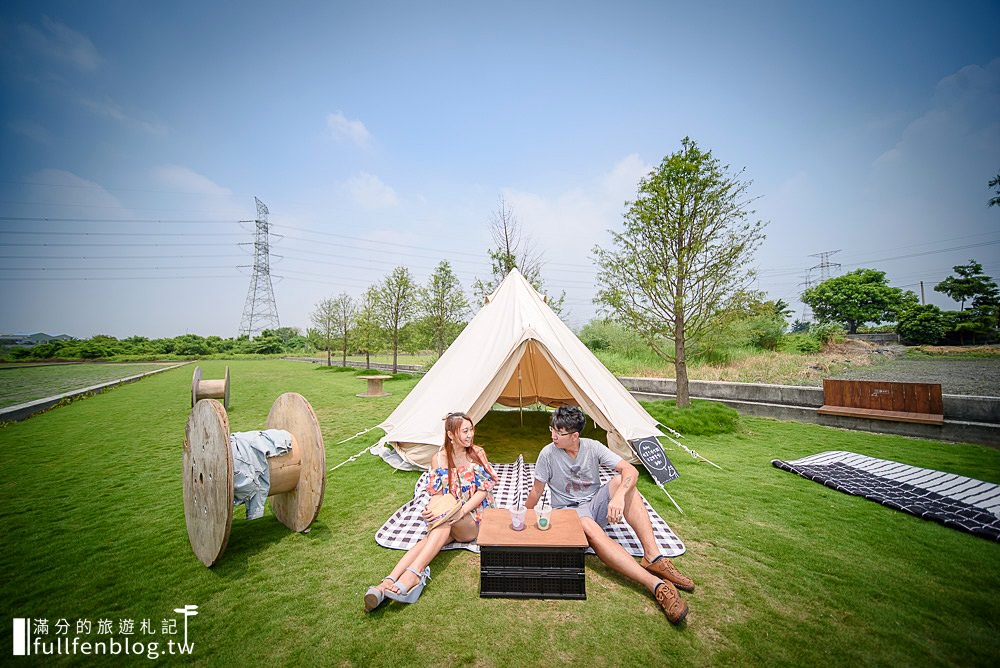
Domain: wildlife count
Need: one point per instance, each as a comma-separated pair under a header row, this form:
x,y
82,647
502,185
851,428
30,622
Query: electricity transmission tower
x,y
824,267
825,264
807,314
260,311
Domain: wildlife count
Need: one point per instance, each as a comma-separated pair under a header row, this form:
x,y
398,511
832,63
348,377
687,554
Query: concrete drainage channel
x,y
968,419
27,409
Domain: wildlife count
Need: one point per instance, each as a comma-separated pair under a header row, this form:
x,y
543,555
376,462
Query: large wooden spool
x,y
209,389
298,477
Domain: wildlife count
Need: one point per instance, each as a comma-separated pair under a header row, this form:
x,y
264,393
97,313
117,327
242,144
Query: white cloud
x,y
962,120
935,175
341,128
187,180
31,130
58,42
623,179
110,109
570,223
65,193
369,192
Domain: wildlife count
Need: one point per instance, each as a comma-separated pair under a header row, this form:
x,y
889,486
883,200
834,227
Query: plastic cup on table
x,y
517,518
543,517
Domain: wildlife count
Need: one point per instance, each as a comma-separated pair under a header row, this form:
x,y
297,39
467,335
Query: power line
x,y
39,219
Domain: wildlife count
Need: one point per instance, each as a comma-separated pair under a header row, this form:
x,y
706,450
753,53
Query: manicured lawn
x,y
788,572
22,384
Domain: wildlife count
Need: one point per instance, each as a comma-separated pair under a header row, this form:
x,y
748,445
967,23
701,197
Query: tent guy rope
x,y
686,448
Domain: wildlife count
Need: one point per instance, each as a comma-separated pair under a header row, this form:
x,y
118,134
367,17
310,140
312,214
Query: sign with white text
x,y
651,453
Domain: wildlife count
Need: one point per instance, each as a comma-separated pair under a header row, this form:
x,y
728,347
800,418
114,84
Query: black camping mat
x,y
956,501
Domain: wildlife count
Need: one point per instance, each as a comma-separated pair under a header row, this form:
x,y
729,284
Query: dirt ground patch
x,y
957,375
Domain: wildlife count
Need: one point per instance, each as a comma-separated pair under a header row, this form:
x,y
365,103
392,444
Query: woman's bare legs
x,y
421,554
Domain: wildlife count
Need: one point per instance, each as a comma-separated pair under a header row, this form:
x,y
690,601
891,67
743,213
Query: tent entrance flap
x,y
534,381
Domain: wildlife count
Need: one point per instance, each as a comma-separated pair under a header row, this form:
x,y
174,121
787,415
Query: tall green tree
x,y
367,334
345,311
970,284
324,319
857,297
399,301
444,306
683,254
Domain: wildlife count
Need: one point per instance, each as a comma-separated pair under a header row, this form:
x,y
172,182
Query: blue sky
x,y
135,137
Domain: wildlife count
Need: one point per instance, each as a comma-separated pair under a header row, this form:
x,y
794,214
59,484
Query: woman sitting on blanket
x,y
462,470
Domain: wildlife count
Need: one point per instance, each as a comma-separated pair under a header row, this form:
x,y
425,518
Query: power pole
x,y
260,311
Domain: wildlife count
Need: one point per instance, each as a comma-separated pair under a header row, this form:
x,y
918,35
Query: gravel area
x,y
975,376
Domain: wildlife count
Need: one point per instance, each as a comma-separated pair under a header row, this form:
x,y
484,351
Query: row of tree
x,y
392,311
865,296
270,342
398,313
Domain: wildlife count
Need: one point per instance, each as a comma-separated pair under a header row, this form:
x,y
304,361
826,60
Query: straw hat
x,y
443,507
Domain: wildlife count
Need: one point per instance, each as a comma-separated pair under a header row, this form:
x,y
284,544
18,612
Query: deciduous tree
x,y
971,284
344,311
367,334
324,318
683,254
857,297
398,303
513,249
444,306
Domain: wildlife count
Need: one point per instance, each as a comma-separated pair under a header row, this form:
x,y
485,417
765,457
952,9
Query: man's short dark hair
x,y
569,419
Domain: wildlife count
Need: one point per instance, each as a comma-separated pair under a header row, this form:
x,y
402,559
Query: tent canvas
x,y
515,352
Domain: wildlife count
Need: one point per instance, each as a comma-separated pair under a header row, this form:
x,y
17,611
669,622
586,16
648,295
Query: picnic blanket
x,y
956,501
406,527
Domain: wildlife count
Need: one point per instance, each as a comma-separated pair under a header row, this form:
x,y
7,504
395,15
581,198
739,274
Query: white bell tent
x,y
515,352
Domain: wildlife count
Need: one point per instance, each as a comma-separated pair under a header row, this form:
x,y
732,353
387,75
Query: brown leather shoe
x,y
671,602
664,568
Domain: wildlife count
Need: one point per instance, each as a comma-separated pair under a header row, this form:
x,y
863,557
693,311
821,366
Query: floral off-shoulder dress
x,y
470,479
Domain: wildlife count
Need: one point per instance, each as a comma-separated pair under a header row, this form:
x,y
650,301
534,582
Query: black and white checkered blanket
x,y
953,500
406,527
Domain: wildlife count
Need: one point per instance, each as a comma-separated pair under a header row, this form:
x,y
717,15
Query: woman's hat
x,y
443,507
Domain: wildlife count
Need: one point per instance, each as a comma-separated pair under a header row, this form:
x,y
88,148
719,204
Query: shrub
x,y
828,332
701,418
801,342
766,332
609,335
922,325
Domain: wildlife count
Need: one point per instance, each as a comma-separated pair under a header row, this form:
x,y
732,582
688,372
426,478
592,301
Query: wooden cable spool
x,y
298,477
209,389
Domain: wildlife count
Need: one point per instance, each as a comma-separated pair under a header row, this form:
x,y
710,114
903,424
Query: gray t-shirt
x,y
573,481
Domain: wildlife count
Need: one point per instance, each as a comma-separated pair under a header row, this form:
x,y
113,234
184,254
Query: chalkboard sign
x,y
651,454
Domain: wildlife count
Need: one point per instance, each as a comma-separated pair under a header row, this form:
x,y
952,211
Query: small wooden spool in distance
x,y
209,389
298,478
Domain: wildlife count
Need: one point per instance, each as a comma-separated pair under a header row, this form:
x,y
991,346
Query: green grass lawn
x,y
19,385
788,572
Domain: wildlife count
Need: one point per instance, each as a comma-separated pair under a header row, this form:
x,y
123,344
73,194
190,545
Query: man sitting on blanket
x,y
570,465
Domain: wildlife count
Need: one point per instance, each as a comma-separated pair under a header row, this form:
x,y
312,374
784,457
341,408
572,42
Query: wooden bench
x,y
883,400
